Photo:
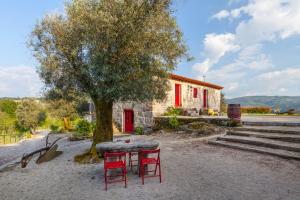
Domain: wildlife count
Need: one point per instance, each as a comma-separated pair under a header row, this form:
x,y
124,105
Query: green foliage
x,y
253,110
8,106
139,130
123,50
291,112
93,126
110,51
173,111
223,106
54,128
233,123
42,116
6,121
83,128
283,103
21,129
173,122
28,135
62,108
27,114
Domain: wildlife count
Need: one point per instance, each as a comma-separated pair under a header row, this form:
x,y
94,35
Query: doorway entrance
x,y
128,121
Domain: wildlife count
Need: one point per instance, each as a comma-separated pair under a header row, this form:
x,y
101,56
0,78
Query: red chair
x,y
145,160
114,161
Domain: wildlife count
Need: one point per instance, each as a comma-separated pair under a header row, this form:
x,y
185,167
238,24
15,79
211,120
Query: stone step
x,y
251,123
258,149
275,136
270,129
275,144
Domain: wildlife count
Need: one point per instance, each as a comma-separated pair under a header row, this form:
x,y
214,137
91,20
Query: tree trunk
x,y
104,130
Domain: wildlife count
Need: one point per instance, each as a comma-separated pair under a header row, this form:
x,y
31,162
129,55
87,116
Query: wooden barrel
x,y
234,111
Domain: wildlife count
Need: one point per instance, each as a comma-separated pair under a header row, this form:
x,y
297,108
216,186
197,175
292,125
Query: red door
x,y
204,98
129,121
177,95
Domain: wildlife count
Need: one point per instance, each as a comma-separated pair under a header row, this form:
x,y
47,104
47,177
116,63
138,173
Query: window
x,y
195,92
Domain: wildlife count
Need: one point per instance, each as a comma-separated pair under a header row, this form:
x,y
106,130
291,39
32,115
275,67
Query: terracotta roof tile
x,y
194,81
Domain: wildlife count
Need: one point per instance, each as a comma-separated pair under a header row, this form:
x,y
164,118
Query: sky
x,y
250,47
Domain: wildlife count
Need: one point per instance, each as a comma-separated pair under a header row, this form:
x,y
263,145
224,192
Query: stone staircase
x,y
282,141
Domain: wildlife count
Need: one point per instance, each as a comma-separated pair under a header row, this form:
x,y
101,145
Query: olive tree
x,y
28,115
109,50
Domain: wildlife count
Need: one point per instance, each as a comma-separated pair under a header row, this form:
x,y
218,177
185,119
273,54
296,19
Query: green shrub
x,y
173,122
8,106
291,112
54,128
233,123
139,130
259,110
42,116
28,135
93,126
173,111
83,128
21,129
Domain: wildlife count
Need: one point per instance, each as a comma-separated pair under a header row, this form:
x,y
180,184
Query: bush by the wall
x,y
173,122
291,112
258,109
173,111
54,128
139,130
83,128
165,122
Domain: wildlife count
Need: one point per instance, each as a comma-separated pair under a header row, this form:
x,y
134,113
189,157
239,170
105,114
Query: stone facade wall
x,y
143,115
187,98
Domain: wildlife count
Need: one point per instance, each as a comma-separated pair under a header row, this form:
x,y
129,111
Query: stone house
x,y
189,94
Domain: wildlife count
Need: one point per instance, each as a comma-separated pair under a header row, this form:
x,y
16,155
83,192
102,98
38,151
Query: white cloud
x,y
289,75
252,72
19,81
278,82
267,20
215,47
240,82
221,15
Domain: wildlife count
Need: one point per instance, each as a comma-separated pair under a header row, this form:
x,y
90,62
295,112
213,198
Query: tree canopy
x,y
8,106
28,115
109,50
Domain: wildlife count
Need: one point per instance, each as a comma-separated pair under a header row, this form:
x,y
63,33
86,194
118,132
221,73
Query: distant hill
x,y
282,102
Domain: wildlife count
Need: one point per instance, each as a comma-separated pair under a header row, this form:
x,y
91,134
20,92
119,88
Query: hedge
x,y
257,109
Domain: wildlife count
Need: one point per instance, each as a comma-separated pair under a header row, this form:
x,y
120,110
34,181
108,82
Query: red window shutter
x,y
195,92
177,95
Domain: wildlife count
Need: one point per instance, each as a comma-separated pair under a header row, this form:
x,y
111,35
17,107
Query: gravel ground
x,y
191,170
11,152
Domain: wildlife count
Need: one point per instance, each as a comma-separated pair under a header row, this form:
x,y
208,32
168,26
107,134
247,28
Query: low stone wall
x,y
163,121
